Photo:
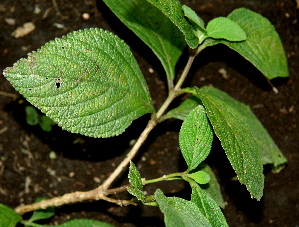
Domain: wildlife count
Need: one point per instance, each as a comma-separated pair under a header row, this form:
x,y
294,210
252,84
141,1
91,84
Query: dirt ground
x,y
27,171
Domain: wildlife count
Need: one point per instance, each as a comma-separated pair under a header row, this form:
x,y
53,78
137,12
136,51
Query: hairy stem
x,y
101,192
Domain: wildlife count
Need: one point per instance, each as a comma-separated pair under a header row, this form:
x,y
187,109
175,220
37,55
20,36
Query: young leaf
x,y
183,110
212,188
238,142
270,153
31,115
153,28
262,47
42,214
8,217
197,23
201,177
46,123
82,223
224,28
88,82
179,212
207,206
195,137
136,187
173,10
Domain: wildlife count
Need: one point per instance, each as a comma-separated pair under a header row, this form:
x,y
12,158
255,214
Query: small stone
x,y
85,16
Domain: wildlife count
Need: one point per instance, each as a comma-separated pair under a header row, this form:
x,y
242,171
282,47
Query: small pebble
x,y
85,16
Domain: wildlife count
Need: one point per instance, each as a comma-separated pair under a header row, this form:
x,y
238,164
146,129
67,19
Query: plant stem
x,y
172,176
102,191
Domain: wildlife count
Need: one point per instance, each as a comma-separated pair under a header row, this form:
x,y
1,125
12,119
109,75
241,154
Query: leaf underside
x,y
174,11
153,28
88,82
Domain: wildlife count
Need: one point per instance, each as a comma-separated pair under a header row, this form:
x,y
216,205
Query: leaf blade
x,y
136,187
207,206
88,82
8,217
173,10
263,47
195,137
237,141
270,152
153,28
180,212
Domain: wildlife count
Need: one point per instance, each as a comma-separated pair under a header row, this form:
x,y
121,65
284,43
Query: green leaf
x,y
153,28
224,28
183,110
42,214
238,142
192,16
31,115
88,82
8,217
207,206
46,123
201,177
212,188
173,10
82,223
179,212
196,137
262,47
136,187
270,153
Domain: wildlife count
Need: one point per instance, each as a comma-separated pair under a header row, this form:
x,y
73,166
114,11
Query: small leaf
x,y
201,177
31,115
192,16
82,223
88,82
262,47
207,206
173,10
153,28
213,187
238,142
136,187
183,110
195,137
179,212
8,217
46,123
224,28
270,153
42,214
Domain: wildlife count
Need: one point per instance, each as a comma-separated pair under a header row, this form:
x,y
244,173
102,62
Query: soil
x,y
27,171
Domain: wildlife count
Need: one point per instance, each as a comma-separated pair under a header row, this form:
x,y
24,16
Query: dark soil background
x,y
27,171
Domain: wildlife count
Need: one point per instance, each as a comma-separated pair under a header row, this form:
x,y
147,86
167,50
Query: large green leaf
x,y
173,10
196,137
262,47
238,141
179,212
82,223
207,206
136,186
270,153
8,217
154,28
88,82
